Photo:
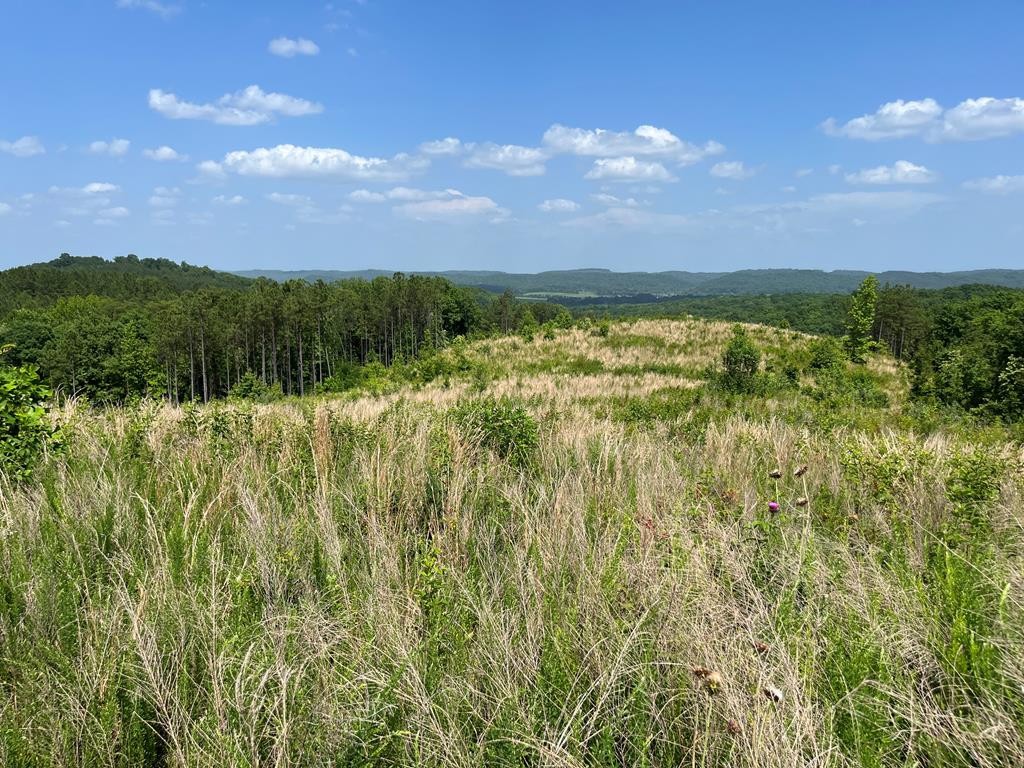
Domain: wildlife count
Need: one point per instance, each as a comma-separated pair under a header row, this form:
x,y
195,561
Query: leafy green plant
x,y
741,361
502,425
25,428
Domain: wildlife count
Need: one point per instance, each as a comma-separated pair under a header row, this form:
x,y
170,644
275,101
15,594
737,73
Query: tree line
x,y
200,344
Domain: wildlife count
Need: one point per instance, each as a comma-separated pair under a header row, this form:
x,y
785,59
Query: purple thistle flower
x,y
773,506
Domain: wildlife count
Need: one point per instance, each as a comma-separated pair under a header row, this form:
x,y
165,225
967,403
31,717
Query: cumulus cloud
x,y
970,120
628,169
996,185
893,120
510,158
92,188
447,146
453,205
290,161
559,205
900,172
646,140
286,47
26,146
732,169
164,154
114,147
250,106
984,118
163,10
289,199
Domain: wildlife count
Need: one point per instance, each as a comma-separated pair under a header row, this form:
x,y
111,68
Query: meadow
x,y
567,550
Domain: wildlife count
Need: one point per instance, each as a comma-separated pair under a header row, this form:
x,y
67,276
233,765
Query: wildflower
x,y
773,506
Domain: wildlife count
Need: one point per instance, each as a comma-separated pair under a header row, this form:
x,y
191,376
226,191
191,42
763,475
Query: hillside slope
x,y
565,551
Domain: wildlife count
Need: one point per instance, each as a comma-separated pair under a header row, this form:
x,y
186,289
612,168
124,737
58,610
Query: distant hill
x,y
126,277
598,283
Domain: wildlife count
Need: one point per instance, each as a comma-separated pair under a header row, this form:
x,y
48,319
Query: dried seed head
x,y
773,694
732,725
801,502
761,647
799,472
853,517
714,681
775,473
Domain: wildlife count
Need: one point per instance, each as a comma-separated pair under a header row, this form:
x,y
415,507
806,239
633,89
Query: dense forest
x,y
114,330
111,331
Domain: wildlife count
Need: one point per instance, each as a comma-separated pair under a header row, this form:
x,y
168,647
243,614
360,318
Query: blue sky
x,y
518,136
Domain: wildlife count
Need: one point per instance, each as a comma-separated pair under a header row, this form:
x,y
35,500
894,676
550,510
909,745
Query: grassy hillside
x,y
591,283
561,553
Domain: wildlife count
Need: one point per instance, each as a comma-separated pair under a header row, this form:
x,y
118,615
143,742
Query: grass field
x,y
563,556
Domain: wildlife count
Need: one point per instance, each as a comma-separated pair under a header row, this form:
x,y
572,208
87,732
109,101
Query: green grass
x,y
449,574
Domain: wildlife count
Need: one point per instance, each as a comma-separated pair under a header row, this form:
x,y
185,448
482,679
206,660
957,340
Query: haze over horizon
x,y
383,135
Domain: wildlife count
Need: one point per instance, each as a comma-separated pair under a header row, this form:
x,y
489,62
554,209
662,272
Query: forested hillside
x,y
596,284
112,331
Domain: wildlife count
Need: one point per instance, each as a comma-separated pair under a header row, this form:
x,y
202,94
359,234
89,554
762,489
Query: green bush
x,y
503,426
252,387
826,354
25,429
741,360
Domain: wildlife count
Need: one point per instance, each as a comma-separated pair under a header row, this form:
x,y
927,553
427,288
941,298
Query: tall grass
x,y
378,580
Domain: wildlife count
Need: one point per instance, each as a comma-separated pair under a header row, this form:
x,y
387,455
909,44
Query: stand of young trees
x,y
200,344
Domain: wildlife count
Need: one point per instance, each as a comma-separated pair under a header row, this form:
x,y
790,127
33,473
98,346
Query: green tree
x,y
860,319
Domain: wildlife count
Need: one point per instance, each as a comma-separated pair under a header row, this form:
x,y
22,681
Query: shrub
x,y
501,425
741,360
25,430
252,387
826,354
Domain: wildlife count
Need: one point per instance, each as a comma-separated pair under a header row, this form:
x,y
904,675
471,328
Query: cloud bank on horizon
x,y
343,136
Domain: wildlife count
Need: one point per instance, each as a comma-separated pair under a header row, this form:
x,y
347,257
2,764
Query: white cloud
x,y
646,140
62,223
115,213
290,161
164,154
628,169
366,196
510,158
900,172
970,120
447,146
210,170
410,194
801,172
114,147
893,120
99,187
5,209
286,47
164,10
996,185
26,146
612,201
289,199
632,218
559,205
732,169
984,118
232,200
456,205
250,106
164,197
